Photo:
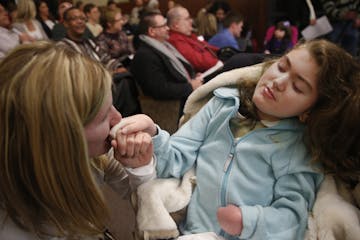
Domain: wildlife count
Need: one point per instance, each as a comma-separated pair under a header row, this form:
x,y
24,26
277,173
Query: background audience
x,y
200,54
26,22
44,17
161,71
113,40
228,37
93,17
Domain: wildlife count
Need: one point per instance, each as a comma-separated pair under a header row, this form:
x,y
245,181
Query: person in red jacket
x,y
200,54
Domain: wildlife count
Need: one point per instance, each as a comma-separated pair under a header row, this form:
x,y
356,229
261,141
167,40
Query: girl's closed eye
x,y
297,88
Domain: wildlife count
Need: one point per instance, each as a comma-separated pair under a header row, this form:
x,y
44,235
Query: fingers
x,y
133,144
134,150
135,123
146,144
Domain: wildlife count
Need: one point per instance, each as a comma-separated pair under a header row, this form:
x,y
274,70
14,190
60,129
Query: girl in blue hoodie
x,y
251,147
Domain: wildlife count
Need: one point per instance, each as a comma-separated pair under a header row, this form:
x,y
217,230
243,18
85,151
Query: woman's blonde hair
x,y
48,93
26,10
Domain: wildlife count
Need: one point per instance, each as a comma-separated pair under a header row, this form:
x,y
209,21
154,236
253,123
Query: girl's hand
x,y
133,150
230,219
133,124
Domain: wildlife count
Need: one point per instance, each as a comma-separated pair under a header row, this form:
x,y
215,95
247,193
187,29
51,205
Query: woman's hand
x,y
230,219
133,150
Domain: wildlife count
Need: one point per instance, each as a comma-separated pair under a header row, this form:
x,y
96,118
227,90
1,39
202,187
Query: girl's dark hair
x,y
333,131
284,26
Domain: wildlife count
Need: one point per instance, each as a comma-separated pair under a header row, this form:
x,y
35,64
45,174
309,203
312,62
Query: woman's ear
x,y
304,116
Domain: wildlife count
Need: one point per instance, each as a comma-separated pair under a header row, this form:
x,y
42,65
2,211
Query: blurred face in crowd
x,y
220,14
117,24
279,33
43,9
138,3
184,23
171,4
160,29
62,8
237,28
4,18
94,15
75,23
112,6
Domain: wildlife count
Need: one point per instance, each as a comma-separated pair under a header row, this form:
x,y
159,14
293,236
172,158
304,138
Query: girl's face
x,y
279,34
288,88
97,131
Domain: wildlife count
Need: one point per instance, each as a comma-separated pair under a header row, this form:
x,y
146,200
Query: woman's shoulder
x,y
10,231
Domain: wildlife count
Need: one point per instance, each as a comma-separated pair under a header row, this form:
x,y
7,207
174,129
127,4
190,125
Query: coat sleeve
x,y
124,180
200,57
154,80
176,154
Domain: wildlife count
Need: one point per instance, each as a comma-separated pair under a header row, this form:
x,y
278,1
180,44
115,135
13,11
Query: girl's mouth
x,y
268,93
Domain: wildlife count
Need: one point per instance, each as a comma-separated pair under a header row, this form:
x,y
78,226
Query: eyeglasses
x,y
118,20
76,18
160,26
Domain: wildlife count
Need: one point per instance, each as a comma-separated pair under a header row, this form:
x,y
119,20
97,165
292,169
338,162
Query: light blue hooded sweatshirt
x,y
266,173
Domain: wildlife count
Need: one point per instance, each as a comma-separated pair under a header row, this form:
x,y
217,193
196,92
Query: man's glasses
x,y
76,18
160,26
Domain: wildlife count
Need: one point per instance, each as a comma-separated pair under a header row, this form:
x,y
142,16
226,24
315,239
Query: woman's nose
x,y
115,116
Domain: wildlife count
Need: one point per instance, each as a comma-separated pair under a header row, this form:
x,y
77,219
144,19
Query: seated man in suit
x,y
161,71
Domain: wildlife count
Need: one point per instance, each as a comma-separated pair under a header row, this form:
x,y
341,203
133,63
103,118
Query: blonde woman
x,y
56,114
26,22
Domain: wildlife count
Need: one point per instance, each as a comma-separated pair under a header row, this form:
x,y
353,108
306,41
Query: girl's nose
x,y
280,83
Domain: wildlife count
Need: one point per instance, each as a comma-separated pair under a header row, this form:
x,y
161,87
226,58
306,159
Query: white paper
x,y
214,68
321,27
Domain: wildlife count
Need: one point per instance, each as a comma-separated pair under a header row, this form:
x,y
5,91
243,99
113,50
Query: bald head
x,y
179,20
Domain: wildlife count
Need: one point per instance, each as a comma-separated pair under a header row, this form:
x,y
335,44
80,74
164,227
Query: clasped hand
x,y
132,141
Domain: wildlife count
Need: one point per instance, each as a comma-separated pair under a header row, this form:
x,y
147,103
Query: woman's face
x,y
117,24
97,131
43,9
288,88
220,14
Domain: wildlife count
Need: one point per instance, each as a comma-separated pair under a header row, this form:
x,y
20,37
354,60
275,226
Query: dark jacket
x,y
157,77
